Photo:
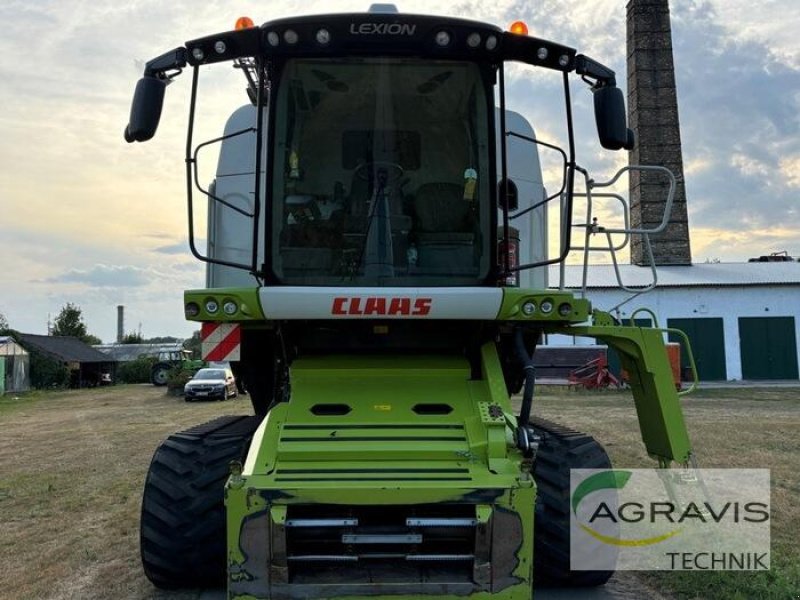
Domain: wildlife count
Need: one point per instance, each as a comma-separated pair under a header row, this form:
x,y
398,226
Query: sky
x,y
91,220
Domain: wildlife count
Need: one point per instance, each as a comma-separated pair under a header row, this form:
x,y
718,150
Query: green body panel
x,y
614,363
351,437
246,299
644,357
514,299
394,432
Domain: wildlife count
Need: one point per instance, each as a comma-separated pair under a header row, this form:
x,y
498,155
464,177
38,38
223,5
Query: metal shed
x,y
15,373
85,364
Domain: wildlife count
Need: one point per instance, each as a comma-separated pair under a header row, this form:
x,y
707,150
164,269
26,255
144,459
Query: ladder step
x,y
321,522
370,538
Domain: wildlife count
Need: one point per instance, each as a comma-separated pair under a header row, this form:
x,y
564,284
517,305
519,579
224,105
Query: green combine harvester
x,y
377,249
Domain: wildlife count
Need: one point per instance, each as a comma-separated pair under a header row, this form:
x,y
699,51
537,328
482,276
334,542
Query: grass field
x,y
737,427
72,466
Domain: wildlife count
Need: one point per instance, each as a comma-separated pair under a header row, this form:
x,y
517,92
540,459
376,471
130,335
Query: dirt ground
x,y
72,467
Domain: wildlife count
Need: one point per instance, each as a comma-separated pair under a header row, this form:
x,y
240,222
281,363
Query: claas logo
x,y
380,306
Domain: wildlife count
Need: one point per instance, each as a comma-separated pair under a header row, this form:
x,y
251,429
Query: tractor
x,y
173,359
377,272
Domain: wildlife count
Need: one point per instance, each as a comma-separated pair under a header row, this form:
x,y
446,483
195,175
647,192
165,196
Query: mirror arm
x,y
592,69
160,66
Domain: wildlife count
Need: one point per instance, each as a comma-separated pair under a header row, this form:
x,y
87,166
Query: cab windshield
x,y
380,173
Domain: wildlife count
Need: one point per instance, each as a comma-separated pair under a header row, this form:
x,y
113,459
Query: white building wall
x,y
728,303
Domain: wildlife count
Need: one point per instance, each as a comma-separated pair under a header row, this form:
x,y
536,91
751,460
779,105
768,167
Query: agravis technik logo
x,y
669,519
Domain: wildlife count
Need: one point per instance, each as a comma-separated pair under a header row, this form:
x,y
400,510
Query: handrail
x,y
592,227
682,334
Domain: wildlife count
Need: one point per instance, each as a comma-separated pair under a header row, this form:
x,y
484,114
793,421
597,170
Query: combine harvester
x,y
381,285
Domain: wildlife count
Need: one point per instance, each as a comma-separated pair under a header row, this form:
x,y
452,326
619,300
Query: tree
x,y
4,328
193,344
132,338
164,339
70,322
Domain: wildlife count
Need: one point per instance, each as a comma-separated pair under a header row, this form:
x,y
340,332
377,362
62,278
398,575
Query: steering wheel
x,y
366,170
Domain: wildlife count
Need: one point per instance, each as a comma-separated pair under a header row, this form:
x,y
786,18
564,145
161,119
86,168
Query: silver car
x,y
211,384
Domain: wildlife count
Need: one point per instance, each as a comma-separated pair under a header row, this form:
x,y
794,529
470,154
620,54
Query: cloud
x,y
722,244
790,170
180,248
107,276
739,111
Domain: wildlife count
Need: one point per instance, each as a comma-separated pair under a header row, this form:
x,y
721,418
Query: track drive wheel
x,y
182,531
560,450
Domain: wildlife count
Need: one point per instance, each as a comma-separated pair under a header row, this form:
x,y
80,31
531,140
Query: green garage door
x,y
768,347
708,346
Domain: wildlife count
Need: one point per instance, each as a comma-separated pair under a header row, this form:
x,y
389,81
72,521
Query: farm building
x,y
743,319
84,364
14,366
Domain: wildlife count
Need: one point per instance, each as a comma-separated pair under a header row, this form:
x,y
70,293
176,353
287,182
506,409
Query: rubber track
x,y
182,532
560,450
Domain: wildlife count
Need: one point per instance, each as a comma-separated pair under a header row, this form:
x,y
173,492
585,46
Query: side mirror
x,y
611,119
148,99
507,188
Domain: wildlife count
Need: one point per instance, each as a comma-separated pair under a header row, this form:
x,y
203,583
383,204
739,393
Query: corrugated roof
x,y
9,346
128,352
68,349
704,274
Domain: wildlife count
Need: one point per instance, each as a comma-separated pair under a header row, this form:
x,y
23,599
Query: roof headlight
x,y
565,309
546,306
230,307
542,53
220,47
290,36
323,37
491,42
563,60
529,308
443,38
192,309
273,39
212,306
474,40
198,54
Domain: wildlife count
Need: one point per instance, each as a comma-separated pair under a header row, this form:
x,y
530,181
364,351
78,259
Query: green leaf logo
x,y
610,480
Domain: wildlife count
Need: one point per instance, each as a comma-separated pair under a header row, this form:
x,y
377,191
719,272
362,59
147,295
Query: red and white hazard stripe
x,y
221,341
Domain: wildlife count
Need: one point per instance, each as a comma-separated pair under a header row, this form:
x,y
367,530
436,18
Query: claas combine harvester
x,y
377,249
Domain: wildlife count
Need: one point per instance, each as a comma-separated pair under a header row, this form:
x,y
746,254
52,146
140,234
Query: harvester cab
x,y
377,250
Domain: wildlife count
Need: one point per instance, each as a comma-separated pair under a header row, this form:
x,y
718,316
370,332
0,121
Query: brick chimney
x,y
653,115
120,323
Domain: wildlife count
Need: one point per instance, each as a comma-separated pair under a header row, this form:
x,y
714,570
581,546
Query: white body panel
x,y
524,170
290,302
230,234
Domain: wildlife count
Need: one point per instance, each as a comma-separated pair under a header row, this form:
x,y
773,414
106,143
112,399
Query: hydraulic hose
x,y
530,377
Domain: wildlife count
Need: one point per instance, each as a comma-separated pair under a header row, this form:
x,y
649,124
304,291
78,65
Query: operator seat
x,y
445,232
